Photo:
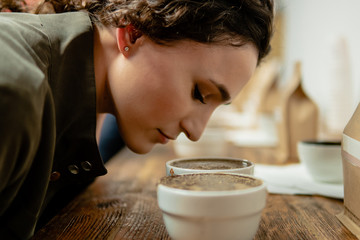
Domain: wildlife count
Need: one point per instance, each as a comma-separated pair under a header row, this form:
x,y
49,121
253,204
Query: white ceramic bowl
x,y
238,165
322,159
216,214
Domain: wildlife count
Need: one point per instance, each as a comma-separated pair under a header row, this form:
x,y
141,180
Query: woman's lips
x,y
163,137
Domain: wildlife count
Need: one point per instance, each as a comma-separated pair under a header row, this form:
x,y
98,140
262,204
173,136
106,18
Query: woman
x,y
161,67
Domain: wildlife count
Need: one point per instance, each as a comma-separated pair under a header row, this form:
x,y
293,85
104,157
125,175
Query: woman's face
x,y
161,91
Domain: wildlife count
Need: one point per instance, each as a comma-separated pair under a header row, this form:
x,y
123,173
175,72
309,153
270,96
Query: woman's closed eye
x,y
197,94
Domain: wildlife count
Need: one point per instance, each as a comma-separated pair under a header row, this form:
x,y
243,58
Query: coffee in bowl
x,y
209,164
210,182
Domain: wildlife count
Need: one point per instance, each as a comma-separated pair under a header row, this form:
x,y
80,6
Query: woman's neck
x,y
105,49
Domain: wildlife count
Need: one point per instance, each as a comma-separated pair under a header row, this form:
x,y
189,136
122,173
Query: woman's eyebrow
x,y
225,96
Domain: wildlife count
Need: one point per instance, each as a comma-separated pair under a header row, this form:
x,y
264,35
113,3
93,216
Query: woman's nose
x,y
194,124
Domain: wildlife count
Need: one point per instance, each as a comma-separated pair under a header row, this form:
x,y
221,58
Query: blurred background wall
x,y
324,35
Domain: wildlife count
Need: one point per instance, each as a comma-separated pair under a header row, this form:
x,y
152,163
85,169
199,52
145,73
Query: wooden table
x,y
123,205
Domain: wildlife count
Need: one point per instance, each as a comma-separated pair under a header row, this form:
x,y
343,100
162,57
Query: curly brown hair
x,y
229,22
13,6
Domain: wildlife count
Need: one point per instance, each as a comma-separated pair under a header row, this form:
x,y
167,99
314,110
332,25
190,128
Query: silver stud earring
x,y
126,48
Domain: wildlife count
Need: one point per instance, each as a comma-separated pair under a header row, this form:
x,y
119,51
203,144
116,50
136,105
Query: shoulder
x,y
23,67
66,24
25,50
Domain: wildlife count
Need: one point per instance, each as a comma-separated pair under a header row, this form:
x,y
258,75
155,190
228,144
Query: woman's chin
x,y
141,149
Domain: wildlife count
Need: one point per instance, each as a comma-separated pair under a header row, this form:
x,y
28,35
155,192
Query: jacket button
x,y
86,165
73,169
54,176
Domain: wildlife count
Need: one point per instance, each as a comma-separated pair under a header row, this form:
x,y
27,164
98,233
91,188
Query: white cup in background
x,y
322,159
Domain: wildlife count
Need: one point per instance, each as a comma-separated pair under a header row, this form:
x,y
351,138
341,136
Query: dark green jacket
x,y
47,114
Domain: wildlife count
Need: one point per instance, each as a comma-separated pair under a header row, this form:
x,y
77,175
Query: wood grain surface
x,y
123,205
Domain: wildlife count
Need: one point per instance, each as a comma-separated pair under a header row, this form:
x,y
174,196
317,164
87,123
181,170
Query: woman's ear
x,y
123,40
134,33
127,38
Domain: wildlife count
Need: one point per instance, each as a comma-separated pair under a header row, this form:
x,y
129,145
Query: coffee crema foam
x,y
210,182
210,164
